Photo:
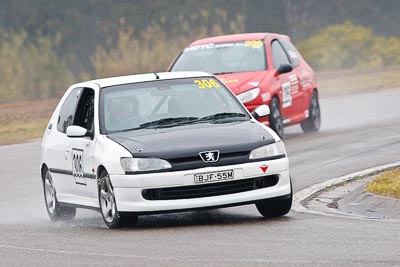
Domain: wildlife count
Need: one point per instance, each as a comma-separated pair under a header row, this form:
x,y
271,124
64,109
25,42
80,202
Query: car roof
x,y
106,82
232,38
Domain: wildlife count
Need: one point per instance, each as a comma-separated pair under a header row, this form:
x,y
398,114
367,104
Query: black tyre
x,y
108,208
55,210
275,117
275,207
313,123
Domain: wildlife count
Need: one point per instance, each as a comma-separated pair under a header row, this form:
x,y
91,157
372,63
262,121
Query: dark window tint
x,y
67,111
85,111
292,52
279,56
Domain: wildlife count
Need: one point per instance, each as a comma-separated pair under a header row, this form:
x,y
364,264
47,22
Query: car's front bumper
x,y
128,189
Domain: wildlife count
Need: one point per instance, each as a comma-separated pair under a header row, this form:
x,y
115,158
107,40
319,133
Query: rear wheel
x,y
112,218
313,123
55,210
275,207
275,117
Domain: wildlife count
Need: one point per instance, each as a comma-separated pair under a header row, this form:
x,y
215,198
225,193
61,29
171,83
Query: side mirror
x,y
260,111
76,131
284,68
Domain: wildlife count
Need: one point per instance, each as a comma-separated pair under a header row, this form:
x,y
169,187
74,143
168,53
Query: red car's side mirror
x,y
284,68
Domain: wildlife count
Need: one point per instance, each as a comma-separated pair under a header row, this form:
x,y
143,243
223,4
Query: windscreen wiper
x,y
171,122
220,73
167,122
222,115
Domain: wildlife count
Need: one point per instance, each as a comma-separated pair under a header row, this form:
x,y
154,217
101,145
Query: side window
x,y
84,114
66,117
279,56
291,51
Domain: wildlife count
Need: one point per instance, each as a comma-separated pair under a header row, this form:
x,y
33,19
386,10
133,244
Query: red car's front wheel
x,y
275,117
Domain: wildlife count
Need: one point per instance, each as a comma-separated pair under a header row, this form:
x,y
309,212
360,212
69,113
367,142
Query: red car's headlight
x,y
249,95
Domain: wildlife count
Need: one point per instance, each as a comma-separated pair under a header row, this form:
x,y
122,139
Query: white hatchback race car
x,y
156,143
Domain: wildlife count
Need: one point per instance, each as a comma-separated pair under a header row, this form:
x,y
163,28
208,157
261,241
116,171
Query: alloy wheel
x,y
50,193
107,200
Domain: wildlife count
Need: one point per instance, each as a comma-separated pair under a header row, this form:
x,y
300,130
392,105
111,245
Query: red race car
x,y
260,68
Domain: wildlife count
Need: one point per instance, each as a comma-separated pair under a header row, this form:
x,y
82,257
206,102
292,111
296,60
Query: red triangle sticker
x,y
264,168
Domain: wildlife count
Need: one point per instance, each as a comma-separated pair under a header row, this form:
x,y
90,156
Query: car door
x,y
287,81
56,142
302,79
80,149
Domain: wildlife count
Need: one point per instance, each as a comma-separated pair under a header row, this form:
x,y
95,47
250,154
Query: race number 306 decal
x,y
77,166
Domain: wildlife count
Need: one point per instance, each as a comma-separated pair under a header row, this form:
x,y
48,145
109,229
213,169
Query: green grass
x,y
386,184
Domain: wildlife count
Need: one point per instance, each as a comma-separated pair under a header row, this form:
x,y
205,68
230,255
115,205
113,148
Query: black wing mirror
x,y
284,68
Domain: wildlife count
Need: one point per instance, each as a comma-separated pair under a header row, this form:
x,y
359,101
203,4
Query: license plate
x,y
213,176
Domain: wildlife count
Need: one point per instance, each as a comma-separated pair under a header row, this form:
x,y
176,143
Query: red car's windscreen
x,y
223,57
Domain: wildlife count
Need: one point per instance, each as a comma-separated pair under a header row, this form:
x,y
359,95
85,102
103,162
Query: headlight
x,y
272,150
248,95
144,164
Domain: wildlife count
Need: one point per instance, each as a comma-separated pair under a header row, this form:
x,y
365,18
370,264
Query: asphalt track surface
x,y
358,132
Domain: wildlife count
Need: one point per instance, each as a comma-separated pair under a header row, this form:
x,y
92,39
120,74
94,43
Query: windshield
x,y
223,57
167,103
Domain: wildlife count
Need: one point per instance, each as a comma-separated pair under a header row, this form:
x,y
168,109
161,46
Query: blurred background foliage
x,y
47,45
153,49
30,68
345,46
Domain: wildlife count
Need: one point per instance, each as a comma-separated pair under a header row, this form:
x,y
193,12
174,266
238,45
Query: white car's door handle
x,y
66,154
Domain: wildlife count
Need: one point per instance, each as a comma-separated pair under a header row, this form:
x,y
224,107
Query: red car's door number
x,y
286,95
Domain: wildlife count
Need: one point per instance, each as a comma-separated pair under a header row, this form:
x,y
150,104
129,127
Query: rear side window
x,y
291,51
66,117
279,56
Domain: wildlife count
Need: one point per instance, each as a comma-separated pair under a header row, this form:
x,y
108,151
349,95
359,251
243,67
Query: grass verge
x,y
20,132
342,82
386,184
26,120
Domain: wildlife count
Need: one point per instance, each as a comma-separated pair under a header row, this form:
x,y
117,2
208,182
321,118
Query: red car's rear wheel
x,y
313,123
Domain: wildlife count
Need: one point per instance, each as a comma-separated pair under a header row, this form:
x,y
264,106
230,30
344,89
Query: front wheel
x,y
54,209
313,123
112,218
275,117
275,207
